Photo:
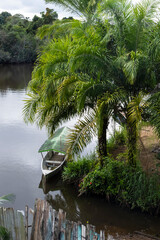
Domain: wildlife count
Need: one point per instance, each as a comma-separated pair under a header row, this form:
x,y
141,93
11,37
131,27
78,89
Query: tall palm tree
x,y
68,81
133,37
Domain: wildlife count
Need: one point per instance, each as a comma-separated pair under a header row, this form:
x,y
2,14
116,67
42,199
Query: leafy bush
x,y
74,171
118,138
104,180
117,181
129,186
141,190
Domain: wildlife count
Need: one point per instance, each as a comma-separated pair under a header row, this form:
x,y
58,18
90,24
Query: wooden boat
x,y
56,148
52,163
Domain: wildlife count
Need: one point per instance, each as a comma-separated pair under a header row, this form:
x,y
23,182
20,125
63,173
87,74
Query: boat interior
x,y
52,160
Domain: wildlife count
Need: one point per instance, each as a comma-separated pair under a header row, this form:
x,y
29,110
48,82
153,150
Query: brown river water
x,y
20,167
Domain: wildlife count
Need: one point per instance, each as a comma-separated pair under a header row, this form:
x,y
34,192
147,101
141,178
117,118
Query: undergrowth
x,y
117,181
118,138
74,171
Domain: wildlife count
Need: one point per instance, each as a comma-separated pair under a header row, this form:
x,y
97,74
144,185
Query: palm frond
x,y
30,107
60,28
67,87
7,198
130,69
53,116
82,134
146,11
89,57
106,105
135,109
88,91
79,7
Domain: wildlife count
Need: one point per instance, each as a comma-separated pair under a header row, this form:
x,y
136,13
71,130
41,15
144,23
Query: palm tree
x,y
4,234
82,69
63,86
134,66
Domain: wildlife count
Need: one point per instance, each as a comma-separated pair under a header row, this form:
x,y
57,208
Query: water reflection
x,y
14,76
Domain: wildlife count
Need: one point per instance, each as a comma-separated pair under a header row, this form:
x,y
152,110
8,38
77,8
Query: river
x,y
20,167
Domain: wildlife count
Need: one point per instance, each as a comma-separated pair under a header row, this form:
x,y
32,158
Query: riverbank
x,y
136,188
137,236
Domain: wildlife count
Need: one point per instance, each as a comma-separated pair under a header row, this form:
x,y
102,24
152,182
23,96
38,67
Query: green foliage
x,y
6,198
117,181
108,64
117,138
129,186
106,181
154,112
4,233
18,41
74,171
81,7
141,190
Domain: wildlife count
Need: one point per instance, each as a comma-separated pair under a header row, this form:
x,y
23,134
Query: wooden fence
x,y
13,221
49,224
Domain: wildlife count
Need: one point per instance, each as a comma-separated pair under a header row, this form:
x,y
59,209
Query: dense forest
x,y
18,41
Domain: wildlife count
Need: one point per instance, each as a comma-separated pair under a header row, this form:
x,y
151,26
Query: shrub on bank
x,y
74,171
118,182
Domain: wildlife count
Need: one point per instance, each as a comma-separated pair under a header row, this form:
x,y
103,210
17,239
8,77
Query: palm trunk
x,y
132,143
102,142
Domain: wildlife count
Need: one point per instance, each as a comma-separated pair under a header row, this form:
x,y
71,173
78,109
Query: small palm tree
x,y
4,234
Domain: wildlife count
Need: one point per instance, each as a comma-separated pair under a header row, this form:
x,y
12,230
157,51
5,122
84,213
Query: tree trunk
x,y
102,142
132,143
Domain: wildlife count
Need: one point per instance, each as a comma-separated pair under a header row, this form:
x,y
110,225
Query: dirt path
x,y
147,144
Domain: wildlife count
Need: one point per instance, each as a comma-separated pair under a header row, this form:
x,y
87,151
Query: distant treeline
x,y
18,41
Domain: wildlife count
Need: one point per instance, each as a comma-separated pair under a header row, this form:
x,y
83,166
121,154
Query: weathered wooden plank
x,y
92,232
55,225
62,222
83,232
88,232
42,227
102,235
13,221
26,222
79,231
68,229
72,230
75,231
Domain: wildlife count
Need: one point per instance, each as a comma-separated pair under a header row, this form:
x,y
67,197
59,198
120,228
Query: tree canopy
x,y
18,41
